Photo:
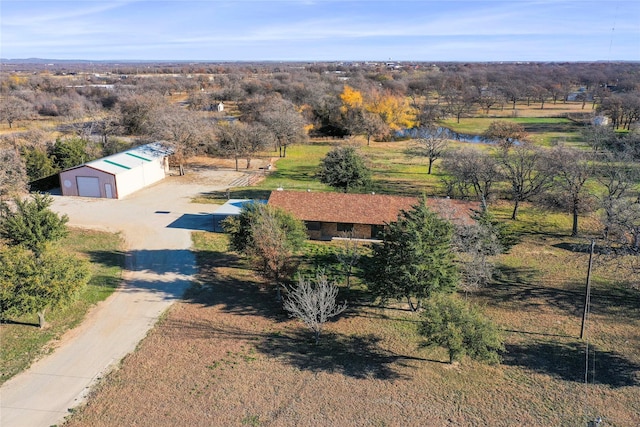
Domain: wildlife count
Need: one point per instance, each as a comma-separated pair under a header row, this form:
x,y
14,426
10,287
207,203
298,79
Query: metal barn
x,y
118,175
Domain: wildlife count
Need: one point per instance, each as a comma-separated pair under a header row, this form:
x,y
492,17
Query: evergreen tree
x,y
415,259
34,285
451,322
31,223
68,153
344,168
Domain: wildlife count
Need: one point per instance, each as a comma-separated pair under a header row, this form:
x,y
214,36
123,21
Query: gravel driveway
x,y
156,224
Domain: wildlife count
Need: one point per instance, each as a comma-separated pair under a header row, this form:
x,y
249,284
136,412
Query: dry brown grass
x,y
229,356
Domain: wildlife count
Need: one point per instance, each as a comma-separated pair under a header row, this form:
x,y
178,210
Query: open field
x,y
228,355
22,340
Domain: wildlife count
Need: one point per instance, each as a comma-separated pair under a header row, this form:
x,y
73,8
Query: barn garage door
x,y
88,186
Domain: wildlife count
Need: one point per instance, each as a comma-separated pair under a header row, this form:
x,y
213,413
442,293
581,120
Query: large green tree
x,y
344,168
461,328
71,152
33,285
30,223
415,259
271,237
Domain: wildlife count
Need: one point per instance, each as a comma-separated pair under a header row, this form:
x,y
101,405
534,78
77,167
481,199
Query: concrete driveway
x,y
156,224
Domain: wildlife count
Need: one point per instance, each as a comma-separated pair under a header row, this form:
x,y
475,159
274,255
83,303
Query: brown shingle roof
x,y
374,209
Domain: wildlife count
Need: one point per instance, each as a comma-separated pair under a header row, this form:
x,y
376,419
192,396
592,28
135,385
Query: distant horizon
x,y
321,30
36,60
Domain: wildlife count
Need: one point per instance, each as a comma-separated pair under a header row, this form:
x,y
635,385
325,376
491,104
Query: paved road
x,y
156,224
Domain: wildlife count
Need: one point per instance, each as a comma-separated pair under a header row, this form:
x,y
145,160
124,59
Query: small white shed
x,y
118,175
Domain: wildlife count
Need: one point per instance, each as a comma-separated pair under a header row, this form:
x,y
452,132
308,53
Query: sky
x,y
321,30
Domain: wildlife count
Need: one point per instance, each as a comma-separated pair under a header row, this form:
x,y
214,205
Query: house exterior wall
x,y
329,230
69,184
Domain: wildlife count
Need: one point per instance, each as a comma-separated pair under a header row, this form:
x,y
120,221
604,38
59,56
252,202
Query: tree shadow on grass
x,y
353,356
396,187
108,258
219,283
520,286
551,127
567,362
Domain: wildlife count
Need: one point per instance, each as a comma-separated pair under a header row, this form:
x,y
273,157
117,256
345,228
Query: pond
x,y
444,133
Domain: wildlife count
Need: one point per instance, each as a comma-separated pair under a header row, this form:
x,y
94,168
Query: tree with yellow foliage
x,y
396,111
351,99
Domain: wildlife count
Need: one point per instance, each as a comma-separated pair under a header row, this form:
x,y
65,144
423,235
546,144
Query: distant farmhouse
x,y
118,175
329,215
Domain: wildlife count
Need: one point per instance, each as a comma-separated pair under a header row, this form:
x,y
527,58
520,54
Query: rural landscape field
x,y
546,153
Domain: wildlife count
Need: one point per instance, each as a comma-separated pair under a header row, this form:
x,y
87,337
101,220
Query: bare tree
x,y
361,121
314,305
599,137
573,169
459,102
348,255
13,109
137,112
623,223
476,246
286,124
475,169
505,133
13,177
430,142
527,171
184,130
232,140
258,138
620,200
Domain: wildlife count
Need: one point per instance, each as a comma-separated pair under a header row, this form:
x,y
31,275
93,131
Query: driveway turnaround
x,y
156,224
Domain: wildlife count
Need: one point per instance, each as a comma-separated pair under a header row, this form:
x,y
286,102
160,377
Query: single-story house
x,y
118,175
232,207
329,215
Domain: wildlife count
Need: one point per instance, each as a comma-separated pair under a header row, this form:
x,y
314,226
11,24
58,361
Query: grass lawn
x,y
23,341
542,130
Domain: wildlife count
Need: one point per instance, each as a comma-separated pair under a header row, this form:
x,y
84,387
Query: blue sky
x,y
243,30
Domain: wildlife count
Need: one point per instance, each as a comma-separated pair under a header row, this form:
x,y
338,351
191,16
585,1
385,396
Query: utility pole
x,y
587,294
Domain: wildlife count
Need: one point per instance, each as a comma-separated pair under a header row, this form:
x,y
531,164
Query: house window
x,y
313,225
345,227
377,231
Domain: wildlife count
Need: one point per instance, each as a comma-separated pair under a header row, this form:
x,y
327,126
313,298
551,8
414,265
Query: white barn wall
x,y
137,178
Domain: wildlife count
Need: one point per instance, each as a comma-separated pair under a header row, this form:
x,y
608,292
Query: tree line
x,y
276,106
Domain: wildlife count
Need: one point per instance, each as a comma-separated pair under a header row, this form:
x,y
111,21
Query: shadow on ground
x,y
172,269
353,356
223,280
567,361
520,286
195,222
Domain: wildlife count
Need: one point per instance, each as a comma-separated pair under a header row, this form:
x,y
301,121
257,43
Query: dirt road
x,y
156,224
